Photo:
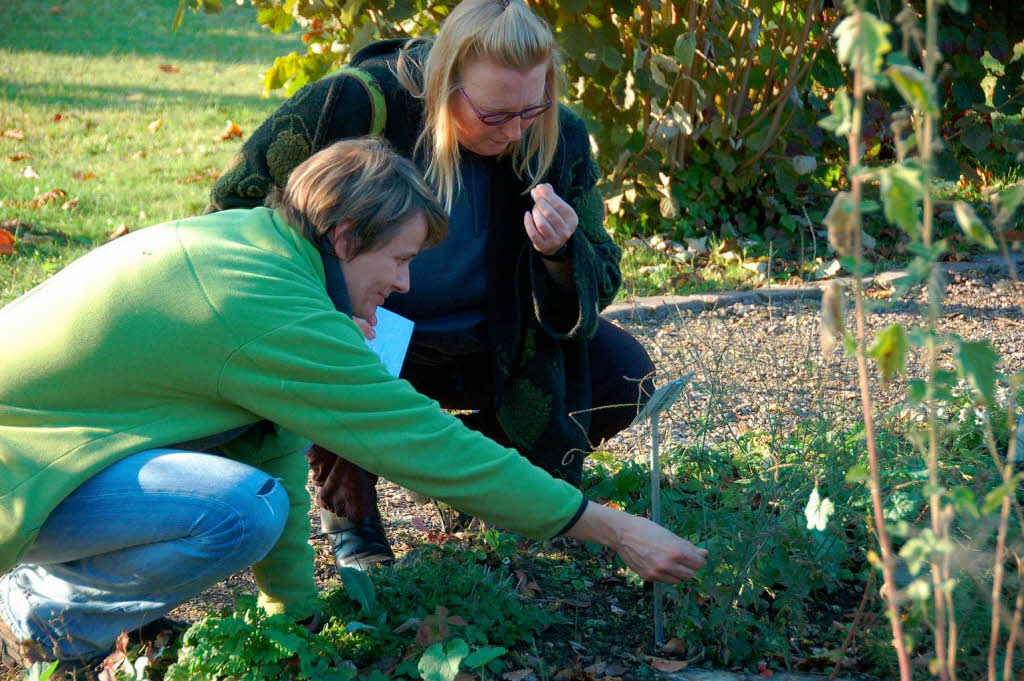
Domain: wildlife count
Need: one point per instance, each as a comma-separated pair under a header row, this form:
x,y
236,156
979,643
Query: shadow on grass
x,y
114,27
98,98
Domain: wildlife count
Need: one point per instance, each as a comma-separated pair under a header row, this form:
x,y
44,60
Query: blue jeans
x,y
133,542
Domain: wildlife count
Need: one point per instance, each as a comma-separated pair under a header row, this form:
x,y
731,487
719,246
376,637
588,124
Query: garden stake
x,y
663,398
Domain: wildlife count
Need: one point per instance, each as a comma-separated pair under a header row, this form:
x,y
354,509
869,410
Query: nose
x,y
513,129
402,279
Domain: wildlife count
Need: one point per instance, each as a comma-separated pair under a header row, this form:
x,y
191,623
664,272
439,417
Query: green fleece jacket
x,y
192,328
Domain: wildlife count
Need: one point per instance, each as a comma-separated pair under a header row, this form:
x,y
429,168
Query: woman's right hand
x,y
650,550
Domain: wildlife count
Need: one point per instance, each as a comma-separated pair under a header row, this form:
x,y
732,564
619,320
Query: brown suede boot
x,y
17,652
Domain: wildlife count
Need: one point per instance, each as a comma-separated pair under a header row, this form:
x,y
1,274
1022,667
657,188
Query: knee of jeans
x,y
267,515
248,524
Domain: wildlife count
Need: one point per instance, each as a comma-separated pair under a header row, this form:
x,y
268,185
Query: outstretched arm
x,y
650,550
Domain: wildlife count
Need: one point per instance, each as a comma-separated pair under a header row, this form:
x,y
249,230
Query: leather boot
x,y
362,545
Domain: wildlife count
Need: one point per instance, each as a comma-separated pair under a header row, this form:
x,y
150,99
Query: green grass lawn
x,y
83,82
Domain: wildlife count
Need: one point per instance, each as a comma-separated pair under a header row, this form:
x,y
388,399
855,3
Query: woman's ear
x,y
337,235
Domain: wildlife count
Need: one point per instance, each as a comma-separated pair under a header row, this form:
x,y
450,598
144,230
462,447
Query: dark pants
x,y
621,374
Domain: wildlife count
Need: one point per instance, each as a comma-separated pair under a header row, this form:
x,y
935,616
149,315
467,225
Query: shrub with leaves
x,y
692,106
955,555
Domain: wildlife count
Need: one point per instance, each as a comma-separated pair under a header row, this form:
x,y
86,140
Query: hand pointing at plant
x,y
650,550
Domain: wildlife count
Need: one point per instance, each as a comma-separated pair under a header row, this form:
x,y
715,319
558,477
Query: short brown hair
x,y
364,184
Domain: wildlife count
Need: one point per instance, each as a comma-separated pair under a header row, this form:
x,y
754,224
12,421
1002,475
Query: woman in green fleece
x,y
158,396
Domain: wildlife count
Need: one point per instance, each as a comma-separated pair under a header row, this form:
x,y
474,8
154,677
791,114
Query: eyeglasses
x,y
502,117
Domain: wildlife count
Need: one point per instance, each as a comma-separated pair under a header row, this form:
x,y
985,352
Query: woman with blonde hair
x,y
507,308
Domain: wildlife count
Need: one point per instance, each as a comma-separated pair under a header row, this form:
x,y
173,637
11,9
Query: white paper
x,y
393,335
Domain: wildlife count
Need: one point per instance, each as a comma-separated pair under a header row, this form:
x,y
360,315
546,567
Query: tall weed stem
x,y
856,190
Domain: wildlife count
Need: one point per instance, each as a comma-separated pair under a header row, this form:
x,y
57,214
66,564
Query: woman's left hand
x,y
551,222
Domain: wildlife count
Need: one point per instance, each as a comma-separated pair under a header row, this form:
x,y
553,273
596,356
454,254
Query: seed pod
x,y
832,326
841,225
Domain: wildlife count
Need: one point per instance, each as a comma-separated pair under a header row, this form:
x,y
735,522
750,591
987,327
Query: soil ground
x,y
761,364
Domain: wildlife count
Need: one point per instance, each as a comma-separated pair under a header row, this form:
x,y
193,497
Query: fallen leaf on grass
x,y
674,646
70,204
230,132
30,173
524,585
580,603
14,224
517,675
201,176
119,232
82,176
15,134
18,157
155,125
597,669
615,669
60,116
168,68
46,197
6,242
56,10
457,621
663,665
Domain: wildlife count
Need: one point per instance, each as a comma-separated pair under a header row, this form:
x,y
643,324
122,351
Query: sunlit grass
x,y
135,144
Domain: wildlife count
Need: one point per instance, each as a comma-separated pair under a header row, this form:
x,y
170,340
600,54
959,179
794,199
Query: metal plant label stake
x,y
663,398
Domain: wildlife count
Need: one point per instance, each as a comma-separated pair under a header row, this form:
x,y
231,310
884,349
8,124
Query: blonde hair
x,y
364,185
508,33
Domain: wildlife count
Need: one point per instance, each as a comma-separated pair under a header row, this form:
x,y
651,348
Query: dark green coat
x,y
538,335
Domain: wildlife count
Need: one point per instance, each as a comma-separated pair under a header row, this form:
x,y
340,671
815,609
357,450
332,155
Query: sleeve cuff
x,y
576,516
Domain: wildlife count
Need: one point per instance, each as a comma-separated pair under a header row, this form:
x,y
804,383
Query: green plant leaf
x,y
858,473
915,87
841,118
359,587
438,664
972,225
976,360
902,188
42,671
992,64
803,165
960,6
861,42
976,137
684,49
994,499
1009,200
274,18
818,511
890,351
482,656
